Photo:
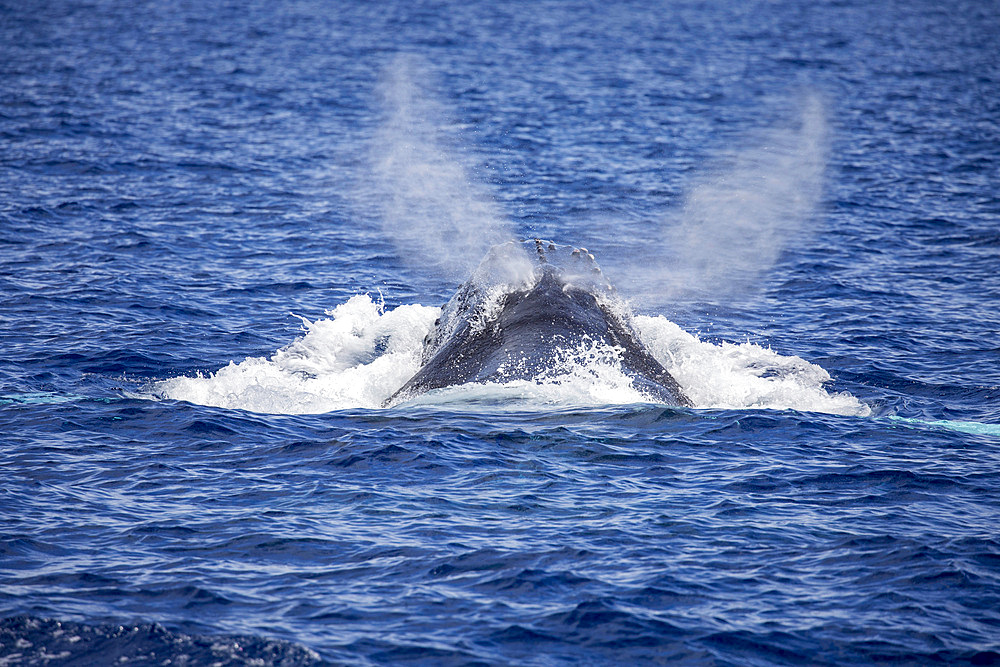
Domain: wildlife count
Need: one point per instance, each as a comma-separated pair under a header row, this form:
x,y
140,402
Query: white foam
x,y
743,376
362,354
353,360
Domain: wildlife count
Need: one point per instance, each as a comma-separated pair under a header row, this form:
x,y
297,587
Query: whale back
x,y
524,306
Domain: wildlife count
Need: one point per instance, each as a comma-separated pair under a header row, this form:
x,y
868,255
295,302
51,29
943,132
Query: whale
x,y
526,307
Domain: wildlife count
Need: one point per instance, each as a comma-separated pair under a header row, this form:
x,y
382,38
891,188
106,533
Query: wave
x,y
38,641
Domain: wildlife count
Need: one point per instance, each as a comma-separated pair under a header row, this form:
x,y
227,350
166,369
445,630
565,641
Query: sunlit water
x,y
227,229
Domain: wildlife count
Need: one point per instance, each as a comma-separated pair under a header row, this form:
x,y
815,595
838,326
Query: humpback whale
x,y
526,306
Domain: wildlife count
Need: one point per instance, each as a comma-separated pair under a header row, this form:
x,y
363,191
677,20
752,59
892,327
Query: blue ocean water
x,y
226,228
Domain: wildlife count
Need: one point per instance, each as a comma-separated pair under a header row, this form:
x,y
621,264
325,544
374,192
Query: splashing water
x,y
348,361
363,354
744,376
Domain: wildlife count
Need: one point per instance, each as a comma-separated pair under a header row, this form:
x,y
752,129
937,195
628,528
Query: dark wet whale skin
x,y
498,328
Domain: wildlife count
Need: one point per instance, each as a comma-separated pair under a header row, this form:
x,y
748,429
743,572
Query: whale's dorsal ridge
x,y
526,304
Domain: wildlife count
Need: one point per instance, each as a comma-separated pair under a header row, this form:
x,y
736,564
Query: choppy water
x,y
225,231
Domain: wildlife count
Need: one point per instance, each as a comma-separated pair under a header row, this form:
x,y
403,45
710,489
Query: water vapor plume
x,y
736,221
433,209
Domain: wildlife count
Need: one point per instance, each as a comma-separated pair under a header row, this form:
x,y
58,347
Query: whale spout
x,y
525,304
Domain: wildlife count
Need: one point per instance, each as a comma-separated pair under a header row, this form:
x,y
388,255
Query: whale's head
x,y
512,268
526,304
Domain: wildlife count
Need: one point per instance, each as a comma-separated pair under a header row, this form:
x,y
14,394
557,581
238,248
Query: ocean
x,y
226,229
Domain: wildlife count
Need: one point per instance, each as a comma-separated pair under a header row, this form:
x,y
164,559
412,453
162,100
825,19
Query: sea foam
x,y
361,353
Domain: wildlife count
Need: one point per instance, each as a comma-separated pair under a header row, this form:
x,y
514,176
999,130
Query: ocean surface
x,y
226,228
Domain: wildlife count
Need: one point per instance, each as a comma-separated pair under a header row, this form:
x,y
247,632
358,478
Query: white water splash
x,y
349,361
743,376
362,355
